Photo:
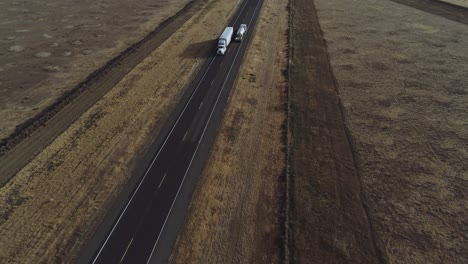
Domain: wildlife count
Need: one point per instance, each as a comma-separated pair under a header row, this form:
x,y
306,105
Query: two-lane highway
x,y
137,230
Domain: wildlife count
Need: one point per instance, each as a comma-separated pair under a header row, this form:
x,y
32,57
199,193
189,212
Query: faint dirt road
x,y
328,220
53,205
235,212
401,78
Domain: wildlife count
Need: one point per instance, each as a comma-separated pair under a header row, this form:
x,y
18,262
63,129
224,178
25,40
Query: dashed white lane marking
x,y
183,139
125,253
164,177
151,165
202,135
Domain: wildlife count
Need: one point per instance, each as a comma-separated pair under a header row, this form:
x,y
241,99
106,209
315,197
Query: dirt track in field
x,y
53,205
235,214
379,153
329,223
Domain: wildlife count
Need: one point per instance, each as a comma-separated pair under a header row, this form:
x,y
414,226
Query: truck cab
x,y
221,47
224,40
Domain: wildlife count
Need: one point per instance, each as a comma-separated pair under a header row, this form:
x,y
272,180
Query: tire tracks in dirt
x,y
34,135
329,221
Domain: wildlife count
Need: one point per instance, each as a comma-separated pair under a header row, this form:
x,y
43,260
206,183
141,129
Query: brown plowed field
x,y
329,222
235,214
53,205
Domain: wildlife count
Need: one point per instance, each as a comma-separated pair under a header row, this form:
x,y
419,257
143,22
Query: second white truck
x,y
241,32
224,40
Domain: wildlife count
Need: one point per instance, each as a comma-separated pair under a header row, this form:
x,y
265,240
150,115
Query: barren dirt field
x,y
235,214
53,205
401,83
48,47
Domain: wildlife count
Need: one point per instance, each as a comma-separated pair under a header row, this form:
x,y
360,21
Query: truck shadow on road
x,y
202,49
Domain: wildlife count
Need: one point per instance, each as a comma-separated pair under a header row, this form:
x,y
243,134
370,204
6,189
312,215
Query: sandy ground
x,y
463,3
48,47
234,216
53,205
403,78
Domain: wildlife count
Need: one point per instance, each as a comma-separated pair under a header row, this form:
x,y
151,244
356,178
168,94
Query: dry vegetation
x,y
52,206
235,212
406,102
378,142
401,84
48,47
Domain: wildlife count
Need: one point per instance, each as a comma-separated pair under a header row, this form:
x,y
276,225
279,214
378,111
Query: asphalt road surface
x,y
137,231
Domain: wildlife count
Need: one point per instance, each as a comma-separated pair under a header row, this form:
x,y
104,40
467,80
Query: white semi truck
x,y
241,32
224,40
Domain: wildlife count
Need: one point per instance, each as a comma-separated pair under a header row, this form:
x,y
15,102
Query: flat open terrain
x,y
48,47
53,205
406,105
463,3
383,173
235,215
378,130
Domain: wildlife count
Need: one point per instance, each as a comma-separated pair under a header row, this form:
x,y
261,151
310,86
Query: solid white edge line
x,y
201,138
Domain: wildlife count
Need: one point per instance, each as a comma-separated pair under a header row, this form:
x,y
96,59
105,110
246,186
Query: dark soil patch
x,y
329,223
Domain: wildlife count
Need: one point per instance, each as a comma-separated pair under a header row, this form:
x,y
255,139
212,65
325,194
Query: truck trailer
x,y
241,32
224,40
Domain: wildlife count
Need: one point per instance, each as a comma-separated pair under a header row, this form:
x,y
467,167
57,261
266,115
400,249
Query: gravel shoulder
x,y
235,213
52,206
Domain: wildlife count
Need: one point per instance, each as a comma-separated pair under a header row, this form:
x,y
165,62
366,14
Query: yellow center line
x,y
125,253
164,177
